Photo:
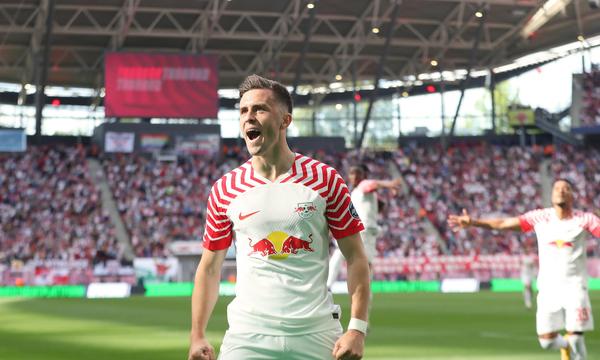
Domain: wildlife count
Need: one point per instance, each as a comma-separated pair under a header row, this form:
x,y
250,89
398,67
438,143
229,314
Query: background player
x,y
280,207
563,301
527,275
364,198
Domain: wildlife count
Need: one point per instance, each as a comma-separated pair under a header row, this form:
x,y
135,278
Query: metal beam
x,y
300,63
464,83
33,52
43,63
386,48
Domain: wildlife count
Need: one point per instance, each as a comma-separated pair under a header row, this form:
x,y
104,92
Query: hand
x,y
350,346
457,222
200,349
397,186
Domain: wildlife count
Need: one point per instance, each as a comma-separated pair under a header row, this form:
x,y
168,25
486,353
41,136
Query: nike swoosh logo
x,y
244,217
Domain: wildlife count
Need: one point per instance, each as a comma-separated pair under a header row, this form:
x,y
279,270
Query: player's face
x,y
562,194
262,121
355,176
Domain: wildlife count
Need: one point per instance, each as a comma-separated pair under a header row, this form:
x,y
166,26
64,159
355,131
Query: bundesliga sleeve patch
x,y
353,212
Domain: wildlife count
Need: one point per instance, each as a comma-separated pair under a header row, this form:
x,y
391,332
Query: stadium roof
x,y
269,36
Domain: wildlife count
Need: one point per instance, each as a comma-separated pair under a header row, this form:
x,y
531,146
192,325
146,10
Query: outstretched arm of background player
x,y
457,222
204,298
394,185
351,344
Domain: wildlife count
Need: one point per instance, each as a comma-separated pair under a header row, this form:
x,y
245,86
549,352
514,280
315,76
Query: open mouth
x,y
252,134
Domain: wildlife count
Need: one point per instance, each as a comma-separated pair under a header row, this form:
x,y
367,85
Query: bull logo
x,y
278,245
306,209
561,244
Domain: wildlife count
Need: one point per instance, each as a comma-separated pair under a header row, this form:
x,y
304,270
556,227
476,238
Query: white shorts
x,y
369,238
316,346
569,310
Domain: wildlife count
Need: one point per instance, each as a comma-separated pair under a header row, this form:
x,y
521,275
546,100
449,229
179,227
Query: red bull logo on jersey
x,y
278,245
306,209
561,244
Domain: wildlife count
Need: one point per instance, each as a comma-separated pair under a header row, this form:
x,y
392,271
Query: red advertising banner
x,y
160,85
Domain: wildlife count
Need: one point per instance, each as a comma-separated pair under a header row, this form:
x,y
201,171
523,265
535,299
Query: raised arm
x,y
390,184
457,222
351,344
204,298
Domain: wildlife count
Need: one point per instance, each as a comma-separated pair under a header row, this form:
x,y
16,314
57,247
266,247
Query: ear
x,y
287,120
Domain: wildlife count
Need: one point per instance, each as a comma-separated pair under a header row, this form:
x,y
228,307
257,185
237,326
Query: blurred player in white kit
x,y
527,275
364,198
562,302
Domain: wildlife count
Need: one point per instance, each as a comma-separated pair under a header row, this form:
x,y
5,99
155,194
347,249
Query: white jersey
x,y
281,230
561,246
364,197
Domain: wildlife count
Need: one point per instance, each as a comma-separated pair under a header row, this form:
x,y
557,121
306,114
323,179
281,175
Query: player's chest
x,y
276,204
564,234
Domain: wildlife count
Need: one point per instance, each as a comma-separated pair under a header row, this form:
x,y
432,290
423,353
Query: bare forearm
x,y
359,287
511,223
204,298
494,224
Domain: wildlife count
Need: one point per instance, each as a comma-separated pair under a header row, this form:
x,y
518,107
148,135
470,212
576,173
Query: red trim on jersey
x,y
526,226
220,244
253,177
304,170
593,224
315,174
294,171
325,181
218,230
234,186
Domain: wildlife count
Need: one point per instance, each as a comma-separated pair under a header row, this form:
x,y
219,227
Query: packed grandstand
x,y
55,229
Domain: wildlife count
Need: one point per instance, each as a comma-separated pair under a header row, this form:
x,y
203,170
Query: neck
x,y
563,211
275,163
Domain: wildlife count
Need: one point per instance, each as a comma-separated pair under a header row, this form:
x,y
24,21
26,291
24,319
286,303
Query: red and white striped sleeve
x,y
592,224
342,218
218,232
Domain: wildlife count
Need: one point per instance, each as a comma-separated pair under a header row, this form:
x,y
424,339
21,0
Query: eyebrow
x,y
262,105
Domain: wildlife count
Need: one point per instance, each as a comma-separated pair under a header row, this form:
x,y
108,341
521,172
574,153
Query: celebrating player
x,y
279,207
364,197
563,301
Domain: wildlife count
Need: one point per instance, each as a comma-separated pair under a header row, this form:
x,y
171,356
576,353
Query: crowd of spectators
x,y
402,228
51,210
590,112
486,180
163,201
582,168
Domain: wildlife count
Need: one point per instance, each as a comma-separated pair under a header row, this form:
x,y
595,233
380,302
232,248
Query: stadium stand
x,y
51,211
163,201
483,179
590,114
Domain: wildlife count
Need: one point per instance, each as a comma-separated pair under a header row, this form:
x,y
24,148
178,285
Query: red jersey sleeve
x,y
592,224
527,221
342,218
218,232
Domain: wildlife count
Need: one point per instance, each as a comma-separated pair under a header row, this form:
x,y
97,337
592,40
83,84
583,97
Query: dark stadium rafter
x,y
271,33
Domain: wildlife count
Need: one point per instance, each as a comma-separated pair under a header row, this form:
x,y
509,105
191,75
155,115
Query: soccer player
x,y
527,274
279,207
563,301
364,198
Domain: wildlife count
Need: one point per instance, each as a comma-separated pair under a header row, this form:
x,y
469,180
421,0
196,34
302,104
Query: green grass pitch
x,y
482,326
